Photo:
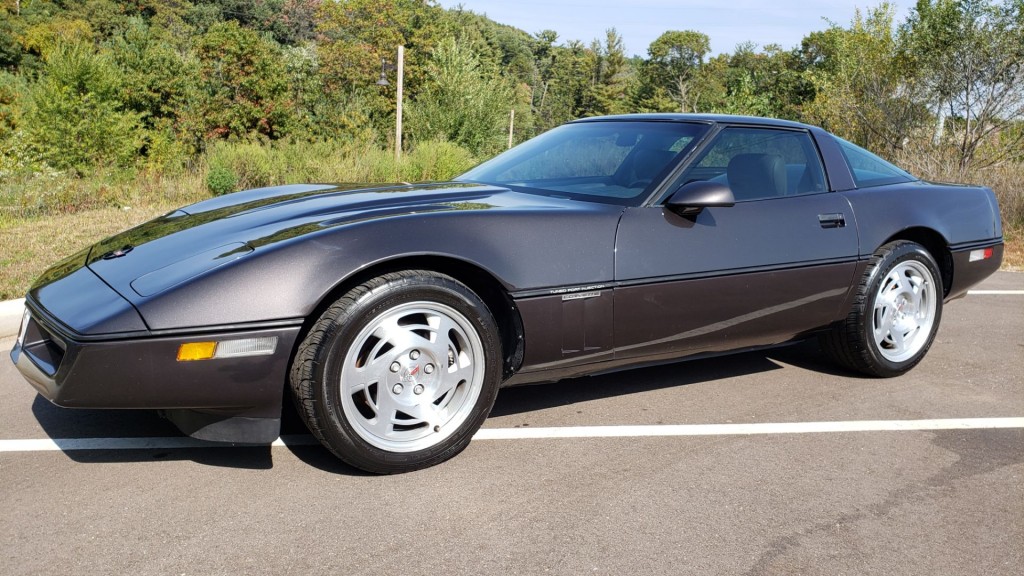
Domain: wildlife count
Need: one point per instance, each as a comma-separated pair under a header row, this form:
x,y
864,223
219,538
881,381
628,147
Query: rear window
x,y
869,170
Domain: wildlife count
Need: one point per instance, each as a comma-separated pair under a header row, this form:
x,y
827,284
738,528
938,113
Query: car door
x,y
776,264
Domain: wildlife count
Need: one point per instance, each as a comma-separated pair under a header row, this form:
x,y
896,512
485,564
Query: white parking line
x,y
745,429
72,444
996,292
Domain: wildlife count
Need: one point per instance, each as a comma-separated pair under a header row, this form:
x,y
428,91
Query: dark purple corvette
x,y
395,313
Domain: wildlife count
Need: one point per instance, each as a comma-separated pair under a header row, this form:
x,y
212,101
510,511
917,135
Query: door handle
x,y
837,220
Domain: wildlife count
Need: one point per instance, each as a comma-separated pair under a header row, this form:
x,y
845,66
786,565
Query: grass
x,y
45,217
32,244
1013,254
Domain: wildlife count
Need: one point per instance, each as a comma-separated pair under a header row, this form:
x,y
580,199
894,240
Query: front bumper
x,y
142,372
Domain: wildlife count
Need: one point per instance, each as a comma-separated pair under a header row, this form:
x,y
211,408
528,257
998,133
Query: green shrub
x,y
75,117
165,153
254,165
221,180
462,101
436,161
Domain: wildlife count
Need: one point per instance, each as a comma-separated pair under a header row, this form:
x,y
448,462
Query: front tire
x,y
895,315
400,372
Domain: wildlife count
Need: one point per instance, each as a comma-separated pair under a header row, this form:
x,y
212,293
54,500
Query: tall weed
x,y
254,165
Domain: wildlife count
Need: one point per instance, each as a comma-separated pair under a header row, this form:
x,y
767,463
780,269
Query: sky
x,y
726,22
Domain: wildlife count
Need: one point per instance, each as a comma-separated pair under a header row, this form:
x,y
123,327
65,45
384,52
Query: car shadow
x,y
71,424
81,424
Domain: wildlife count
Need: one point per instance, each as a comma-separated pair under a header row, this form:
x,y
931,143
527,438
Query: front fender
x,y
288,279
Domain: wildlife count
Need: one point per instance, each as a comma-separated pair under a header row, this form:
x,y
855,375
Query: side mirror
x,y
692,197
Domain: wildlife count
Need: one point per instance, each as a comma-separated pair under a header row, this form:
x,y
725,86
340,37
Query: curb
x,y
11,312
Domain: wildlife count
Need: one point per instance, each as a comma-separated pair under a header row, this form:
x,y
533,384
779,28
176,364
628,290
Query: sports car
x,y
393,314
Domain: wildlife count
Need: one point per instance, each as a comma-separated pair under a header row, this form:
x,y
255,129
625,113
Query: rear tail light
x,y
982,254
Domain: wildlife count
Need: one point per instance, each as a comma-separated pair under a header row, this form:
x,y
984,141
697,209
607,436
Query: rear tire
x,y
400,372
895,314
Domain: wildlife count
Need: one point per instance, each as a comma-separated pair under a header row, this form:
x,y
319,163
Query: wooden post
x,y
511,126
398,113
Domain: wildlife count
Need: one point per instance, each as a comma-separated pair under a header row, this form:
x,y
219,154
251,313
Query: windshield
x,y
612,162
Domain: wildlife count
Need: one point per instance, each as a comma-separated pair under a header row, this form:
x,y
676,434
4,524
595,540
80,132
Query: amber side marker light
x,y
191,351
196,351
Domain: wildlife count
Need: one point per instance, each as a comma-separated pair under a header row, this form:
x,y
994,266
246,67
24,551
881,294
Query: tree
x,y
866,89
157,78
461,103
612,77
243,89
10,50
767,82
564,94
356,35
970,55
76,118
675,61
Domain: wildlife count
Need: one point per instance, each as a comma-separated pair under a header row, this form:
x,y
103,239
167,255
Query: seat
x,y
648,163
754,176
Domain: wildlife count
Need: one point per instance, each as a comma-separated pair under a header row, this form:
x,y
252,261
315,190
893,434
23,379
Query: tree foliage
x,y
98,83
461,103
673,70
75,117
970,56
864,90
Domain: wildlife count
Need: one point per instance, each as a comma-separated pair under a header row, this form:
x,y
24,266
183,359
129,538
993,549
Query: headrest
x,y
757,176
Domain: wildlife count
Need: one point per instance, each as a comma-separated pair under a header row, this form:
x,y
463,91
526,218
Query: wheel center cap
x,y
412,383
408,375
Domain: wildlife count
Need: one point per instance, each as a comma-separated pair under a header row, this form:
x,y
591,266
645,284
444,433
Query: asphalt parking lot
x,y
891,501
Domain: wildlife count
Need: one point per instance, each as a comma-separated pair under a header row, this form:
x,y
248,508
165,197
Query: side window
x,y
869,170
759,163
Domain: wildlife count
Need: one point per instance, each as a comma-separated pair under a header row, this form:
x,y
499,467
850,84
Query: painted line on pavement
x,y
746,429
661,430
996,292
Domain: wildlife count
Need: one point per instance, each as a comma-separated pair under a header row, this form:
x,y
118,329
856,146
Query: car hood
x,y
193,240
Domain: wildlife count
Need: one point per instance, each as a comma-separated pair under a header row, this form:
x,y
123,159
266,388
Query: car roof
x,y
705,118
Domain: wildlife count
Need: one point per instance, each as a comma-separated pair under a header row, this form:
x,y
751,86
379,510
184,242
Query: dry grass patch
x,y
32,245
1013,252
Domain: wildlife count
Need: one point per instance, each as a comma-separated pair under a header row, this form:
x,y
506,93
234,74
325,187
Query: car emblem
x,y
118,252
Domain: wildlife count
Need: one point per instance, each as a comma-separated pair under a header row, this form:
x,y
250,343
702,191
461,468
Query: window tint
x,y
613,162
869,170
760,163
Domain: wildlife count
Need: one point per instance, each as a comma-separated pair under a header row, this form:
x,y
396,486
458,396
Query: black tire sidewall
x,y
899,253
339,432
